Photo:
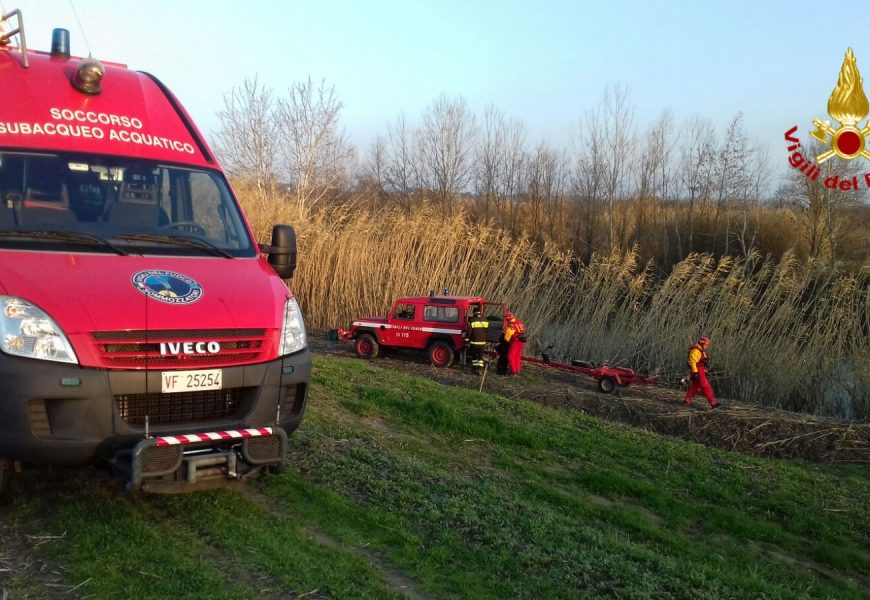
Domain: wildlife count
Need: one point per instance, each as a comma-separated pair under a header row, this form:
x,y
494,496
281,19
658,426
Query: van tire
x,y
441,354
366,346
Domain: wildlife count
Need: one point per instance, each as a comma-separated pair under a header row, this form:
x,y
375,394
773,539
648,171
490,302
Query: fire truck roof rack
x,y
7,35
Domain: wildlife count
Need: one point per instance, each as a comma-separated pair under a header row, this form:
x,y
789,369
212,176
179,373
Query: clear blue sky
x,y
543,62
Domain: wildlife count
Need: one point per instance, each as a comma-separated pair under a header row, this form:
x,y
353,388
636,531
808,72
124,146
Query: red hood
x,y
85,293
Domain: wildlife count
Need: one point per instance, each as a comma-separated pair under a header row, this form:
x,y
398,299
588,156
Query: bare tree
x,y
247,140
618,143
545,178
822,213
487,161
446,142
499,162
696,171
375,168
402,174
654,179
588,184
316,152
731,169
513,164
755,187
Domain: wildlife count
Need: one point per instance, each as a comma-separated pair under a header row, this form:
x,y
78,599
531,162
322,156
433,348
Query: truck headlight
x,y
26,330
293,329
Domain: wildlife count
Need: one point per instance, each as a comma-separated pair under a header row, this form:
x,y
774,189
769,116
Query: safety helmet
x,y
704,340
475,312
510,317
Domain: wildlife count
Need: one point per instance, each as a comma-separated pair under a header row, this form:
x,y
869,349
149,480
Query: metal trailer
x,y
608,378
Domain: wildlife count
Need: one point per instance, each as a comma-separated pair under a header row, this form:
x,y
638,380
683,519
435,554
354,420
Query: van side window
x,y
441,314
207,207
405,312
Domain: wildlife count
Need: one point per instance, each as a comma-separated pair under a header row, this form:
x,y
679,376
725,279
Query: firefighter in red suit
x,y
697,361
515,336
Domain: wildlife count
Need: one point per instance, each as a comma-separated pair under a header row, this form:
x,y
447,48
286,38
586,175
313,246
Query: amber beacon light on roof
x,y
88,75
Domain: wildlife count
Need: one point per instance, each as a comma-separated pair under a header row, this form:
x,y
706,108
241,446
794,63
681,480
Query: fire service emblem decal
x,y
847,106
168,287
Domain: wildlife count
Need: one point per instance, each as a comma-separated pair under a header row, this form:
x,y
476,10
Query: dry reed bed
x,y
785,334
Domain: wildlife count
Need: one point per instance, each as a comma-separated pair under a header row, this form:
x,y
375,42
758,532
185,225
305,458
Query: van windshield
x,y
88,203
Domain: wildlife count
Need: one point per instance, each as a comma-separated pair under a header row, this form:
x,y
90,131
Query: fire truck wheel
x,y
366,346
440,354
606,385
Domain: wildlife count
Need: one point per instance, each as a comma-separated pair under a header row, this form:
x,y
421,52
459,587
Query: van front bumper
x,y
56,413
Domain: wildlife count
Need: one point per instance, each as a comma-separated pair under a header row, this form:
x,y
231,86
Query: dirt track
x,y
742,427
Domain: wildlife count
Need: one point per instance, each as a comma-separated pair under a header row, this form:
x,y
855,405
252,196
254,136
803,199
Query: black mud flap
x,y
173,464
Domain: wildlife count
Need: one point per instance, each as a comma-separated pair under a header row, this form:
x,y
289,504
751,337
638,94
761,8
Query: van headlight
x,y
26,330
293,329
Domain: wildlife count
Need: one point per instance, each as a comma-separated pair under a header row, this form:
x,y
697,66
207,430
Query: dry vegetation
x,y
621,249
786,334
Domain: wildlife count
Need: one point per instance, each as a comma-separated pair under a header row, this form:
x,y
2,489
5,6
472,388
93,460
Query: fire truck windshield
x,y
136,206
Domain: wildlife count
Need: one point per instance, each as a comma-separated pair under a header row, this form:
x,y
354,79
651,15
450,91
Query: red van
x,y
139,321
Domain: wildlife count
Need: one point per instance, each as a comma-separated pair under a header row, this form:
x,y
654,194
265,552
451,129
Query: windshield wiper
x,y
76,237
178,240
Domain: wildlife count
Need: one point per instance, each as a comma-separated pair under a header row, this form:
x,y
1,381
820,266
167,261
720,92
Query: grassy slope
x,y
470,496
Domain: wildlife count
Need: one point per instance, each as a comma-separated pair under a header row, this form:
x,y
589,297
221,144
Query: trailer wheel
x,y
441,354
606,385
366,346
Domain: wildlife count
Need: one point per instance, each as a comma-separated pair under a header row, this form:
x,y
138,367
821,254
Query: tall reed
x,y
785,334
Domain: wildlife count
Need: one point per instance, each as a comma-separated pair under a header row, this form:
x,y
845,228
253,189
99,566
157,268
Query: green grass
x,y
468,495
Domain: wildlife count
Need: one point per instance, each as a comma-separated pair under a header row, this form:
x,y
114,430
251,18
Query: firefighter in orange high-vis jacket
x,y
504,344
698,373
515,335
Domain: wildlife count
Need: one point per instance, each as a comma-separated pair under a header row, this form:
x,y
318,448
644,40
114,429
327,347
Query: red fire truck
x,y
140,322
434,324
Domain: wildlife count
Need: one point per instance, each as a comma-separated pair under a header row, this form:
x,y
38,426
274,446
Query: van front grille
x,y
183,407
180,349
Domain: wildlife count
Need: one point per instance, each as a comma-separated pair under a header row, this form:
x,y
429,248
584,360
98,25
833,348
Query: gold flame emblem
x,y
848,105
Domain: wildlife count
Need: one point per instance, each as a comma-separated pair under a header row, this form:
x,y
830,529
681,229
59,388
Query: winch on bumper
x,y
175,463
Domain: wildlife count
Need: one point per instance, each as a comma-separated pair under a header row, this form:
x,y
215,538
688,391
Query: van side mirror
x,y
282,251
